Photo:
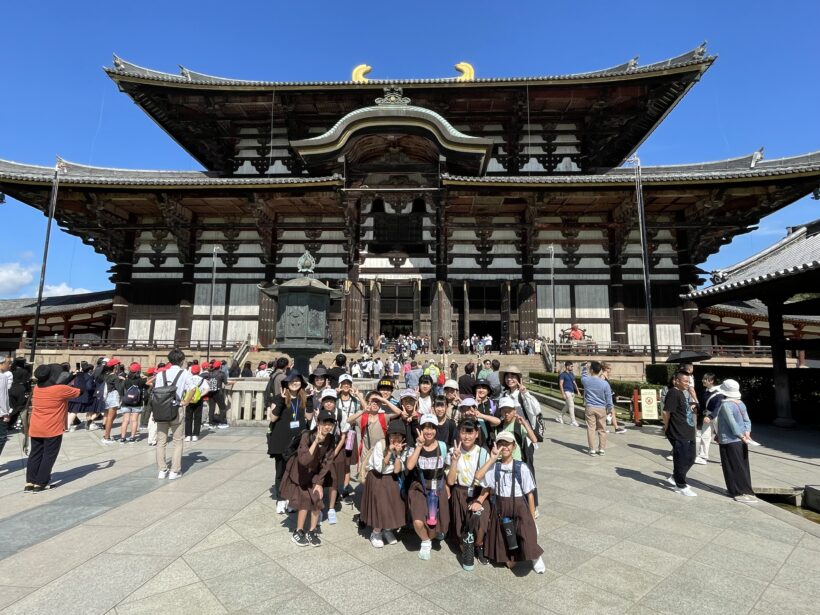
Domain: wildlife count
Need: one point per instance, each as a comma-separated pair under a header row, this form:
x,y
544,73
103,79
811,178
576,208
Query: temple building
x,y
435,204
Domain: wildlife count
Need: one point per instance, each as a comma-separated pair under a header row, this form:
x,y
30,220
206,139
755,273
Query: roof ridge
x,y
737,268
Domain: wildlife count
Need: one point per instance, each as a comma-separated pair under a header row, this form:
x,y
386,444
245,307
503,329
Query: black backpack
x,y
164,400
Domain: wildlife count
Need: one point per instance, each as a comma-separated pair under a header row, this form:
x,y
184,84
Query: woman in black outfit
x,y
290,413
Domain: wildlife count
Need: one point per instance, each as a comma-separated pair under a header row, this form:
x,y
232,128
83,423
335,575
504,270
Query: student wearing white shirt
x,y
382,506
511,484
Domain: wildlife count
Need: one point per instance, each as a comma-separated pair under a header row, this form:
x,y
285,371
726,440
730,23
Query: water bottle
x,y
432,507
508,529
351,438
468,552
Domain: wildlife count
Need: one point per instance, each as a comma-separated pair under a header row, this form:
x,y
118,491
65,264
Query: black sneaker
x,y
479,555
314,540
299,538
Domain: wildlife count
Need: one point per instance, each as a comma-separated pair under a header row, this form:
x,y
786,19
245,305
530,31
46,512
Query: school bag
x,y
200,390
516,479
164,400
293,445
133,395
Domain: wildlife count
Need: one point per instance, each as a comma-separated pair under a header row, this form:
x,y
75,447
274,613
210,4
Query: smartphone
x,y
77,365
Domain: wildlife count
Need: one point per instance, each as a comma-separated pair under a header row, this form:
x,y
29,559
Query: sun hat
x,y
512,370
319,372
730,388
294,375
345,378
327,416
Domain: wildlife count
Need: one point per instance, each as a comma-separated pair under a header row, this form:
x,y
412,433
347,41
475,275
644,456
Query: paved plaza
x,y
111,538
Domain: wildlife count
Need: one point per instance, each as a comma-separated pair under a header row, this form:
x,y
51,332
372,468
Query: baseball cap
x,y
467,401
427,419
345,378
326,415
329,393
194,369
112,362
385,383
506,402
217,364
134,367
152,370
451,384
505,436
408,393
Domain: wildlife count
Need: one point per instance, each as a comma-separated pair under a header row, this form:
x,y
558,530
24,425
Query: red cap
x,y
217,364
112,362
151,371
195,368
205,365
134,367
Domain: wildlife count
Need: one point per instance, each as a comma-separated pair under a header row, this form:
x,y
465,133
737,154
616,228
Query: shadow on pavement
x,y
576,447
663,452
641,477
67,476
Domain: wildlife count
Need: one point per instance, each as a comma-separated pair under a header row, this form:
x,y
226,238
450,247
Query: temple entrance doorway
x,y
483,327
393,328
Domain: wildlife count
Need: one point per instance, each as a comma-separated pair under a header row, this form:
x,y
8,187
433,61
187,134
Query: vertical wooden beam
x,y
782,398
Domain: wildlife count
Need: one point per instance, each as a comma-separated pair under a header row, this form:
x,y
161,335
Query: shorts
x,y
112,400
129,410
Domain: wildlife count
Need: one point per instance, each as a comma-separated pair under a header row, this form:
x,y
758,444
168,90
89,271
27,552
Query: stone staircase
x,y
526,363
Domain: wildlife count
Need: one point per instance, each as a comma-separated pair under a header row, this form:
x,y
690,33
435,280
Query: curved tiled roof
x,y
128,71
89,175
734,168
22,308
798,252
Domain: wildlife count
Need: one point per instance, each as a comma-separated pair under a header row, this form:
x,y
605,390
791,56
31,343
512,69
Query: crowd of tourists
x,y
444,458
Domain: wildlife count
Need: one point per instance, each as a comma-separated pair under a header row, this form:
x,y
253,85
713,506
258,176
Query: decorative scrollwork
x,y
393,95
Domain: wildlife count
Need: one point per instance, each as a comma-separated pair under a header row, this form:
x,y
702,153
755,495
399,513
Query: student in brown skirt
x,y
511,485
468,464
427,497
382,505
307,474
349,401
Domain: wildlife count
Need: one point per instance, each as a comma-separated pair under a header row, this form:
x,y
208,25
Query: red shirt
x,y
576,334
48,409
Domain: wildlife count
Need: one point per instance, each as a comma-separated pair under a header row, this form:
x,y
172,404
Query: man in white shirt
x,y
185,384
5,384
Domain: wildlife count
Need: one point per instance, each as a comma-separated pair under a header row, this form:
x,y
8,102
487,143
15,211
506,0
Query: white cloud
x,y
14,277
57,290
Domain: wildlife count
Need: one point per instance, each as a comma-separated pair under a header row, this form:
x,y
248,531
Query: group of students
x,y
448,468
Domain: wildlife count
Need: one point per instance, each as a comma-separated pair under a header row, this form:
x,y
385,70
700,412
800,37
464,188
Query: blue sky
x,y
54,98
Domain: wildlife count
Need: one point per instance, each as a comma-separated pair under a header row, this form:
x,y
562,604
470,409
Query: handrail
x,y
59,343
241,352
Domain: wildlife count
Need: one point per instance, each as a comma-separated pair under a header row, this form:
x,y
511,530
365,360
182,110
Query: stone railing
x,y
245,397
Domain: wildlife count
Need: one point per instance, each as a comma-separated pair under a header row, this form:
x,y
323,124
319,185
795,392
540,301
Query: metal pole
x,y
647,285
211,308
554,330
52,206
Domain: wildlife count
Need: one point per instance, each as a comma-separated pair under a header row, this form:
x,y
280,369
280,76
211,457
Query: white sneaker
x,y
174,475
187,438
162,474
538,566
376,540
575,423
331,517
389,537
609,419
223,426
671,481
93,427
426,547
281,505
669,458
194,438
559,419
700,461
687,491
72,428
751,442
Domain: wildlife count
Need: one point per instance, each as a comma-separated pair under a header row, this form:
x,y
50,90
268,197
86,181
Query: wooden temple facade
x,y
435,204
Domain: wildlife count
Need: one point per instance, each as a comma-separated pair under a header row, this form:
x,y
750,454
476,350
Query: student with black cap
x,y
49,403
468,464
306,476
290,413
382,507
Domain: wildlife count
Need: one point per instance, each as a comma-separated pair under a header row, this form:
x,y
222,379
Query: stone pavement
x,y
111,538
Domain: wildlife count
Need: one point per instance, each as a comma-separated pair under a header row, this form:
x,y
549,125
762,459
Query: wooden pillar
x,y
466,309
417,307
506,314
185,316
527,311
374,317
688,277
782,398
118,331
750,332
441,313
616,298
354,300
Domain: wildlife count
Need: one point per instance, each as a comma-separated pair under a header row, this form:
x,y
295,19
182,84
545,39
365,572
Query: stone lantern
x,y
302,308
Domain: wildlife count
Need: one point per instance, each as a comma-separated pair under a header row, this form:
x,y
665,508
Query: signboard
x,y
649,404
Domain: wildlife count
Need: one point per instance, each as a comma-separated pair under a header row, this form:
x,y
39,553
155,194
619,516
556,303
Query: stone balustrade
x,y
245,397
